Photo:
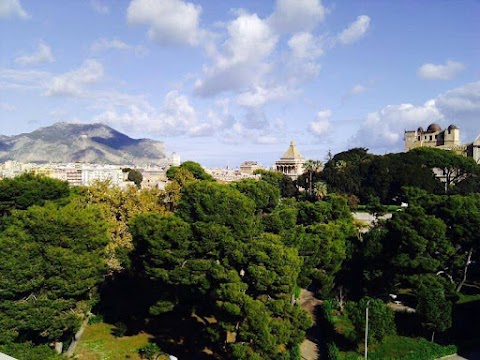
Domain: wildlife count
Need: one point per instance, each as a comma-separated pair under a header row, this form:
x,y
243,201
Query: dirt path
x,y
309,347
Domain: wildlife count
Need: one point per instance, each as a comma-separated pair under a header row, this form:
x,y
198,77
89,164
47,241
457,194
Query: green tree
x,y
381,320
194,168
224,205
28,189
266,196
52,261
284,183
135,176
433,307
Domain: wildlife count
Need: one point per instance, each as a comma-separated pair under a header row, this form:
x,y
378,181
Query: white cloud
x,y
297,15
259,96
23,79
99,7
242,62
305,46
440,72
73,82
355,31
358,89
104,44
383,130
176,116
12,8
321,125
171,22
42,55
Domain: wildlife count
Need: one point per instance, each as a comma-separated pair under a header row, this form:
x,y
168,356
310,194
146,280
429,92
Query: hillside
x,y
93,143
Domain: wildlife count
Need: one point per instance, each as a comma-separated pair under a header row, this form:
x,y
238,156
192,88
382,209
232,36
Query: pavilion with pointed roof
x,y
291,163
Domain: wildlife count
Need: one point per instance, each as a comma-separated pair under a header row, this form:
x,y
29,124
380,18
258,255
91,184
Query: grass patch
x,y
403,348
98,343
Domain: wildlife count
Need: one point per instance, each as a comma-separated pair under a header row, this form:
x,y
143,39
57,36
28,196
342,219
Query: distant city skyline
x,y
221,82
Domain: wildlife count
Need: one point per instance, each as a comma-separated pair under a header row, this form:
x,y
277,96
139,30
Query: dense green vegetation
x,y
212,270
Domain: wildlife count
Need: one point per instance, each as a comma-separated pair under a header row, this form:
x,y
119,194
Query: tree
x,y
433,307
454,167
52,260
266,196
284,183
381,320
312,167
119,207
194,168
29,189
211,202
135,176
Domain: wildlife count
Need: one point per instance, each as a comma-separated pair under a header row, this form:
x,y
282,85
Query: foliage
x,y
118,206
52,259
28,350
433,307
381,320
28,189
150,351
265,196
282,182
135,176
193,168
224,205
403,348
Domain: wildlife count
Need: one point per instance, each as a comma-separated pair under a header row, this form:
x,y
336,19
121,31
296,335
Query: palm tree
x,y
312,166
320,190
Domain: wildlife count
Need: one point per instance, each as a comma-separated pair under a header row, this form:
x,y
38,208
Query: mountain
x,y
92,143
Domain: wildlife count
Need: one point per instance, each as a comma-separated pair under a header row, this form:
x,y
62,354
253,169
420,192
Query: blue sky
x,y
225,81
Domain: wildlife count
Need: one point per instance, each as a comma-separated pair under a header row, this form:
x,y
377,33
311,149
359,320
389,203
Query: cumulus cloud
x,y
42,55
305,46
292,16
99,7
176,116
12,8
170,22
383,130
73,82
321,125
440,72
242,60
259,96
355,31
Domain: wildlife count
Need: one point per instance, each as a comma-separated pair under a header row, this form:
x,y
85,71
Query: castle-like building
x,y
291,163
448,139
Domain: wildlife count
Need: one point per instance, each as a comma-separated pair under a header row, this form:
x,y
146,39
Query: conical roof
x,y
292,153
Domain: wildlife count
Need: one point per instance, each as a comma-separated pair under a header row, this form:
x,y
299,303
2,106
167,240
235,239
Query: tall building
x,y
448,139
291,163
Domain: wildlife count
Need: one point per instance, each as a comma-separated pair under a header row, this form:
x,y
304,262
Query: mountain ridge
x,y
75,142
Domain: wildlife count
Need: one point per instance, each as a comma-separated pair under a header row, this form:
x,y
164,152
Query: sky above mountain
x,y
225,81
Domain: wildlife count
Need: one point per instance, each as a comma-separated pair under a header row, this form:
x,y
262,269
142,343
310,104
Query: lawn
x,y
98,343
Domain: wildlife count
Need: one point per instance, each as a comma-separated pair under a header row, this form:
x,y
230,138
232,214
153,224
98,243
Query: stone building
x,y
448,139
291,163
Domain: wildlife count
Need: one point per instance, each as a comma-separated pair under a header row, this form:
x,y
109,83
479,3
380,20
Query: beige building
x,y
248,167
448,139
291,163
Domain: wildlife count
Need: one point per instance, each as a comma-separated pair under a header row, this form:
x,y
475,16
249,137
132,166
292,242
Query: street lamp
x,y
366,330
